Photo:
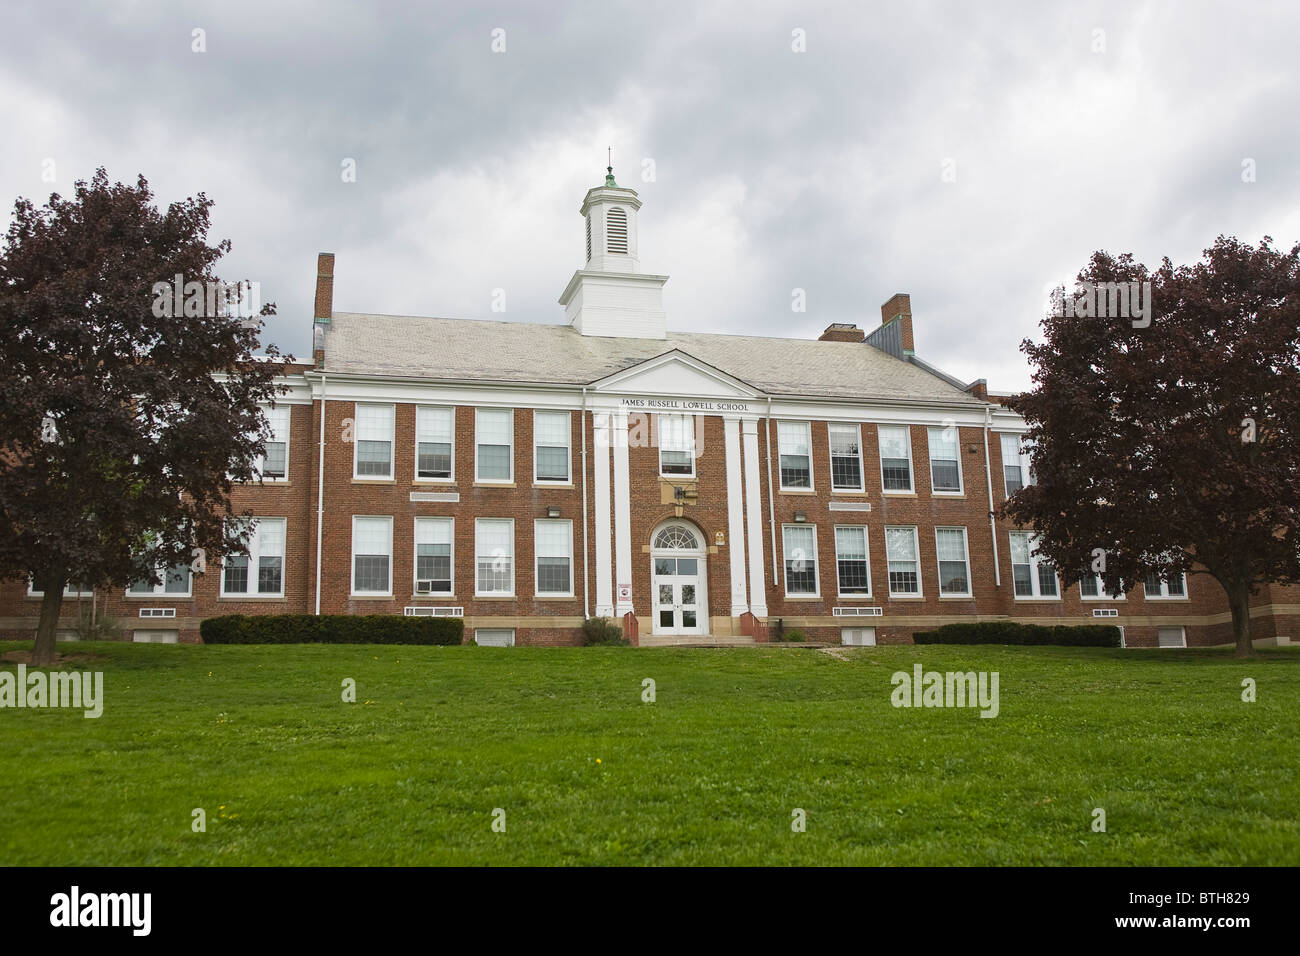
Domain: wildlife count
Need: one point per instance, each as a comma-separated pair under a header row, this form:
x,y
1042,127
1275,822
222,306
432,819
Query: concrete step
x,y
694,640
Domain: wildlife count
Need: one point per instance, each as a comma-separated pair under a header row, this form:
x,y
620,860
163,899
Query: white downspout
x,y
586,579
771,507
988,476
320,490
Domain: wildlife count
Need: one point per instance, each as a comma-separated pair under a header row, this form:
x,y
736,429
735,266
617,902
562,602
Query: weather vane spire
x,y
609,170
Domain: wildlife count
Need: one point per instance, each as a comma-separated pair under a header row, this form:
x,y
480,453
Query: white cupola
x,y
610,296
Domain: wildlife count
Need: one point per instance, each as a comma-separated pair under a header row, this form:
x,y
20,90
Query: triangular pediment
x,y
675,374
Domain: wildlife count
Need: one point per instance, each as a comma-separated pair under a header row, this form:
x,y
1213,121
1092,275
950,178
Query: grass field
x,y
710,773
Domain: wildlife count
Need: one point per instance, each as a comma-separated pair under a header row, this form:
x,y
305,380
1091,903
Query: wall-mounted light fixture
x,y
800,517
552,511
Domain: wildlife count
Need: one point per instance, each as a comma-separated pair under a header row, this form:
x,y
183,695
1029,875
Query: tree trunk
x,y
1239,602
47,628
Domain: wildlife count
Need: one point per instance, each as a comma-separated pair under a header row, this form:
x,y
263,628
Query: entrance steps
x,y
694,640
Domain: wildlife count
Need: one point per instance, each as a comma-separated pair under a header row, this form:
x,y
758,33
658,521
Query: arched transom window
x,y
677,538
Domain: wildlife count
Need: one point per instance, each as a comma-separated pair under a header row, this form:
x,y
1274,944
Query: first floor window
x,y
434,430
372,552
494,556
954,569
846,457
1166,586
676,445
554,554
851,563
895,457
1031,574
1092,586
373,437
551,445
259,573
175,582
794,448
800,559
433,537
494,430
945,462
36,588
904,563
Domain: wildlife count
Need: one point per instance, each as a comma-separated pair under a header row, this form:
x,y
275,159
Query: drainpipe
x,y
320,491
771,506
586,580
988,480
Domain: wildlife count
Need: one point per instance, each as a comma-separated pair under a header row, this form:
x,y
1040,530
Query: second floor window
x,y
551,445
846,458
373,438
794,447
676,445
275,461
434,430
494,431
945,464
895,457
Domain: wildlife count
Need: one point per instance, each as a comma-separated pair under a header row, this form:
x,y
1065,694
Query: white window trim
x,y
911,466
261,460
568,449
1171,647
32,592
1034,561
514,560
352,557
479,479
830,458
920,574
254,559
812,470
156,590
690,419
1164,594
1101,594
537,592
866,547
961,476
511,630
415,557
1026,476
356,444
817,566
451,472
965,544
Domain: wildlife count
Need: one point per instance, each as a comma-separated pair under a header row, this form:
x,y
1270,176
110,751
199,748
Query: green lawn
x,y
708,774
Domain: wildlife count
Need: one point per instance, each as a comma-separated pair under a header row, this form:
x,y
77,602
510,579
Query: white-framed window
x,y
953,554
273,465
1171,637
551,446
800,544
372,554
794,450
494,557
1092,588
1166,587
846,457
903,555
372,441
494,439
676,445
1032,575
435,443
945,460
494,636
260,573
553,557
1016,470
433,557
69,590
852,563
175,583
895,457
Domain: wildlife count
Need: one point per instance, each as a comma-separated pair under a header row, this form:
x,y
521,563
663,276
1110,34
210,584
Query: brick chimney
x,y
899,307
842,332
324,312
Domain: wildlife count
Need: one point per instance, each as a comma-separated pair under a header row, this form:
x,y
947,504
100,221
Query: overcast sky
x,y
1063,129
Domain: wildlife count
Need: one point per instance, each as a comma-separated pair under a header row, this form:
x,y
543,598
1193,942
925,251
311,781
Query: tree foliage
x,y
122,428
1176,446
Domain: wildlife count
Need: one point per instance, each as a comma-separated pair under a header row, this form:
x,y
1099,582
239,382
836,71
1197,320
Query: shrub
x,y
331,629
97,628
1009,632
602,632
795,636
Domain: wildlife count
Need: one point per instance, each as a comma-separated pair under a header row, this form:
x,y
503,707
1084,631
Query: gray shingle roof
x,y
477,350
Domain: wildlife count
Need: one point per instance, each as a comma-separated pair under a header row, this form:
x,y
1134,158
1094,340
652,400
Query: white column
x,y
754,522
735,518
622,517
604,556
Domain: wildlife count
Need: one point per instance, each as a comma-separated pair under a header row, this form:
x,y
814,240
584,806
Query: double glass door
x,y
678,607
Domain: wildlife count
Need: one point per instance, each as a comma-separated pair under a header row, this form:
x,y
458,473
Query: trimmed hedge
x,y
1008,632
331,629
